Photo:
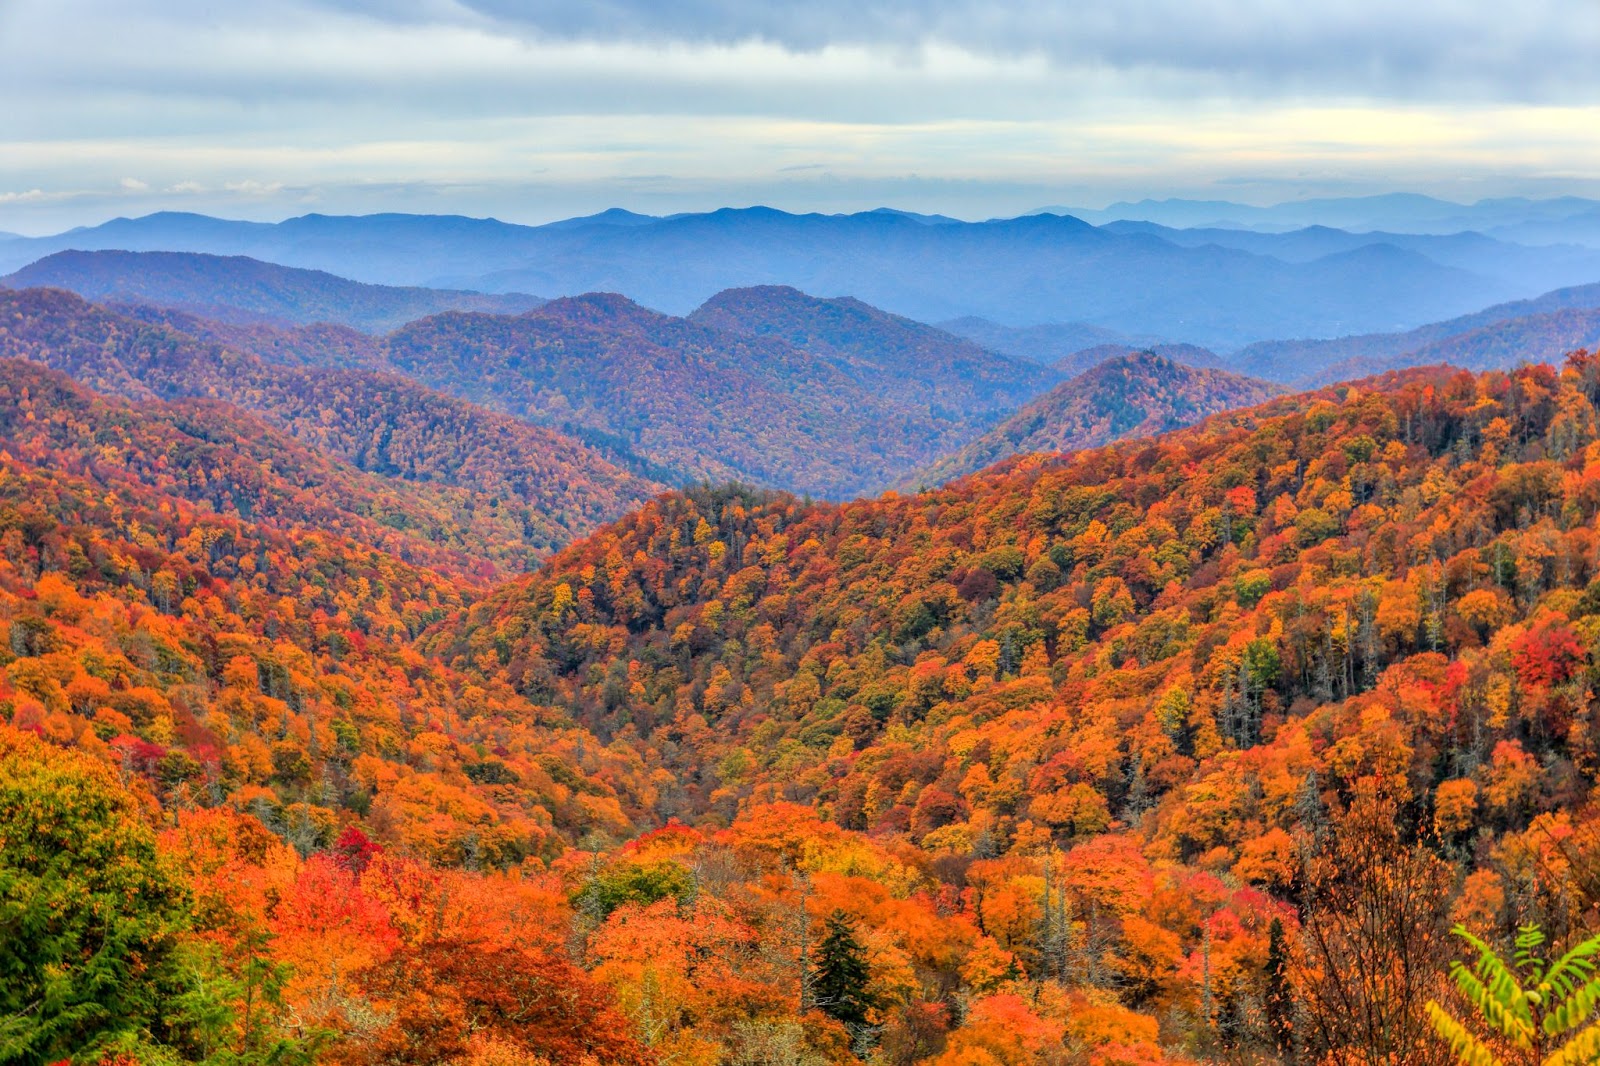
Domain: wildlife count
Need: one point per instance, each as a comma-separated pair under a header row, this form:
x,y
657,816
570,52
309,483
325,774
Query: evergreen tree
x,y
1280,995
839,983
89,915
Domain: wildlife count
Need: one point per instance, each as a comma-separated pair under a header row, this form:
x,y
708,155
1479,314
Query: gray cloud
x,y
1533,49
534,108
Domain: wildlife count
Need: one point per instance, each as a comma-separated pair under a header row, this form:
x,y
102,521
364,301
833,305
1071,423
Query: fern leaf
x,y
1490,1004
1582,1050
1577,965
1574,1009
1464,1045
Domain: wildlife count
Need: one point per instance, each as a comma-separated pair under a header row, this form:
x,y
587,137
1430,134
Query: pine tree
x,y
1280,994
839,984
89,914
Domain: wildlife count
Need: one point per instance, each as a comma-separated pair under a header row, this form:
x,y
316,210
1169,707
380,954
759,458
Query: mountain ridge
x,y
549,487
1015,271
1133,395
239,290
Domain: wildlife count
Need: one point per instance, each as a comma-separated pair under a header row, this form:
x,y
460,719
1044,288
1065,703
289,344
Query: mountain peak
x,y
599,309
1135,393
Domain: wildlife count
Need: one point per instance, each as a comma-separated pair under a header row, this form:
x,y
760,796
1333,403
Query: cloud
x,y
1535,49
527,109
251,187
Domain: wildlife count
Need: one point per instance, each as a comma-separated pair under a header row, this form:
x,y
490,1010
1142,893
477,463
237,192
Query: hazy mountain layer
x,y
1014,271
237,289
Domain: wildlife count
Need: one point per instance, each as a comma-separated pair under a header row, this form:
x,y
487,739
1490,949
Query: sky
x,y
535,110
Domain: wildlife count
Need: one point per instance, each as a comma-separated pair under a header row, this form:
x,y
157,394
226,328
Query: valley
x,y
768,676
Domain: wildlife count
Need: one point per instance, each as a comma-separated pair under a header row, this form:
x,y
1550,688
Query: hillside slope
x,y
1387,579
226,614
241,290
1311,360
221,460
1118,757
704,402
890,355
318,345
1078,362
1357,624
1140,394
1536,338
1045,343
1545,265
528,488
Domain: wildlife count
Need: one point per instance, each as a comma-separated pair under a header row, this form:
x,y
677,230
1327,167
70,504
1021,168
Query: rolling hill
x,y
1193,355
1550,221
319,345
705,402
871,398
890,355
1089,758
1338,642
199,596
534,488
1539,338
1040,268
1139,394
240,290
223,462
1307,360
1546,266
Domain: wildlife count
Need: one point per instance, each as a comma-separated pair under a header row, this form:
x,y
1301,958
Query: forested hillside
x,y
705,402
1087,359
1538,338
950,375
152,549
535,488
320,344
1296,666
1184,749
1139,394
1341,358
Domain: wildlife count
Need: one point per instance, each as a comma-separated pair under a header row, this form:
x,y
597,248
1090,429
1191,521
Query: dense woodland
x,y
539,487
1128,394
1185,749
705,401
883,352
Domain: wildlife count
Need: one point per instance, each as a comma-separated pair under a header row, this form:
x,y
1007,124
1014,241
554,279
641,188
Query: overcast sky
x,y
541,109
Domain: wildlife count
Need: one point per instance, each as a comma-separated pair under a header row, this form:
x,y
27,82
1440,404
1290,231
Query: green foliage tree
x,y
231,1013
841,973
630,882
88,913
1525,1011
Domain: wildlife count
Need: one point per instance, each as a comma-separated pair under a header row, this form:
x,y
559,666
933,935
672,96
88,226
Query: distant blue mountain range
x,y
1561,219
1221,287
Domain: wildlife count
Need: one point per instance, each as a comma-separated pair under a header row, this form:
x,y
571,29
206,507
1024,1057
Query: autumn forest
x,y
408,676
